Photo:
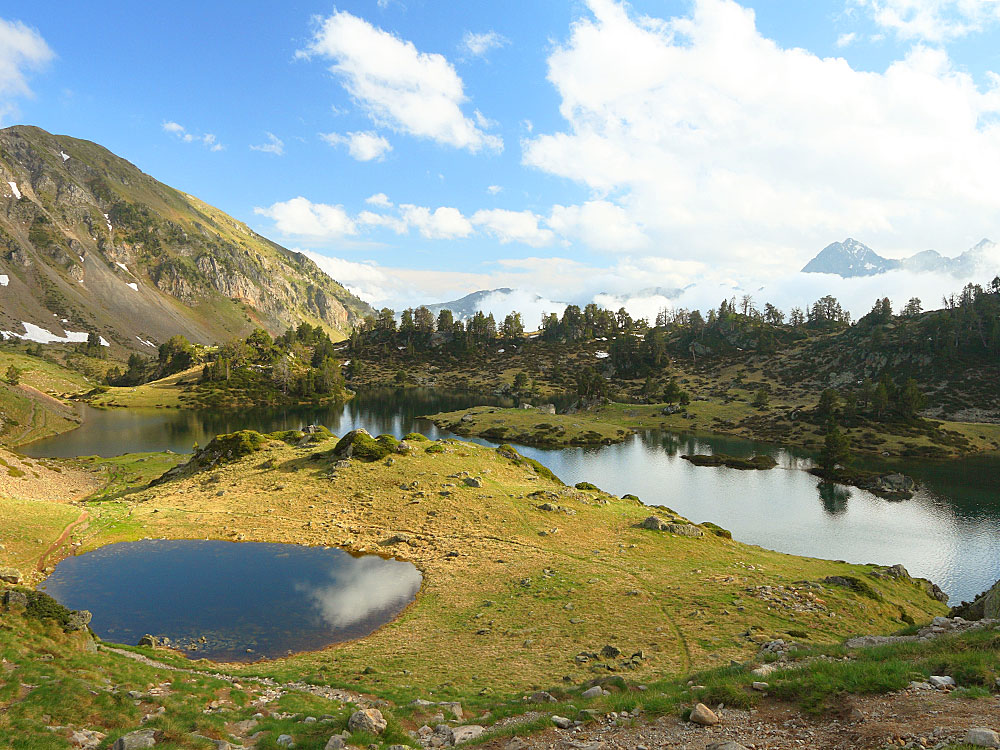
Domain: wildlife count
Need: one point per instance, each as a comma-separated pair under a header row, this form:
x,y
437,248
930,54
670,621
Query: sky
x,y
573,149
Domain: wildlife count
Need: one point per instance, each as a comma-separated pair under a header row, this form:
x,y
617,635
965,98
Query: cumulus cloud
x,y
513,226
363,145
846,40
444,223
479,45
714,141
301,217
397,85
208,140
22,49
379,199
600,224
932,20
274,146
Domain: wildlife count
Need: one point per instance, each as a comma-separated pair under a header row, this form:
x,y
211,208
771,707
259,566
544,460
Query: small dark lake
x,y
949,532
246,600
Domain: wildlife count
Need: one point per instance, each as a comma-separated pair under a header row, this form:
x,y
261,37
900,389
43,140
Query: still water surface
x,y
246,600
949,532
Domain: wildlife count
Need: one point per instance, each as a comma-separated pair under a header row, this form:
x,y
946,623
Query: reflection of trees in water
x,y
834,497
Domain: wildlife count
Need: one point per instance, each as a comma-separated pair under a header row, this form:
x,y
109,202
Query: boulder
x,y
472,482
655,523
78,620
940,682
541,696
685,529
368,720
982,737
136,740
562,722
986,606
465,733
10,575
12,597
702,714
594,692
150,641
334,743
285,740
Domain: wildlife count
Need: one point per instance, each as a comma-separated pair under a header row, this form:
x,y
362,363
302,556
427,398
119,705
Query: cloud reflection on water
x,y
356,593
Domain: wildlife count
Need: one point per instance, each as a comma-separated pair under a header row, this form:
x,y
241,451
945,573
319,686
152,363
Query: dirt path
x,y
84,515
861,723
322,691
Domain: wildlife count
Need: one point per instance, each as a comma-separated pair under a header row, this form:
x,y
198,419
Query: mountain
x,y
88,242
499,302
851,258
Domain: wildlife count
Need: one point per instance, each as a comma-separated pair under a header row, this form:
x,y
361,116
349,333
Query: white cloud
x,y
22,49
716,142
208,140
303,218
932,20
398,86
513,226
379,199
600,224
444,223
494,190
365,145
479,45
274,146
846,40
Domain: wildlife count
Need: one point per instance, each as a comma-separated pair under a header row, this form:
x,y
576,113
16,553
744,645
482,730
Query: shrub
x,y
416,437
586,486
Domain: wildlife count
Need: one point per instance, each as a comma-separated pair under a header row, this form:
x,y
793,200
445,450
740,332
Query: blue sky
x,y
564,148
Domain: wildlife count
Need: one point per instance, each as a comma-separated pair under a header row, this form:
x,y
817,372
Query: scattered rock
x,y
472,482
941,682
562,722
729,745
78,620
10,575
685,529
761,686
702,714
541,697
368,720
334,743
12,597
458,735
611,652
594,692
655,523
136,740
285,740
148,640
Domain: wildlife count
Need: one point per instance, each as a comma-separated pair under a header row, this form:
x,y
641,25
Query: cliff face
x,y
88,242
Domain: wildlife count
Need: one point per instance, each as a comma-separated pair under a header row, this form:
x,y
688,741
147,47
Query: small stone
x,y
761,686
541,697
595,692
982,737
368,720
458,735
941,682
562,722
611,652
334,743
473,482
729,745
702,714
136,740
285,740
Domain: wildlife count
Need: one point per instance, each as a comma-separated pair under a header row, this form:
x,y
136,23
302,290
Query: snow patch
x,y
108,220
13,187
39,335
4,279
144,342
123,267
64,155
601,355
133,285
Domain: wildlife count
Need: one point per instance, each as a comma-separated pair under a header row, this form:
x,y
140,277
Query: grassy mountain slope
x,y
94,244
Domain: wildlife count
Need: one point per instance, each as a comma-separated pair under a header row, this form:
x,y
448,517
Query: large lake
x,y
949,532
233,601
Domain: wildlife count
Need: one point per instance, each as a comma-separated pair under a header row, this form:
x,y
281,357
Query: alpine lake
x,y
948,532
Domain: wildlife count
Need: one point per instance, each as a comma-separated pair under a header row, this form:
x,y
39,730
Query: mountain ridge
x,y
851,259
90,243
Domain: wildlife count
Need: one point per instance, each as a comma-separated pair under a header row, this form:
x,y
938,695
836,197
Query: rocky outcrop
x,y
986,606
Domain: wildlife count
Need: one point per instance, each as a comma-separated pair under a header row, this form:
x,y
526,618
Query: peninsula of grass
x,y
521,573
758,462
531,426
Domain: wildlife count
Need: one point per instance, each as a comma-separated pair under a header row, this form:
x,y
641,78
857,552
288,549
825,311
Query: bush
x,y
416,437
586,486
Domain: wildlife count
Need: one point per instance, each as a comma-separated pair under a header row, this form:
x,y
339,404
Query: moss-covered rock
x,y
416,437
361,445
